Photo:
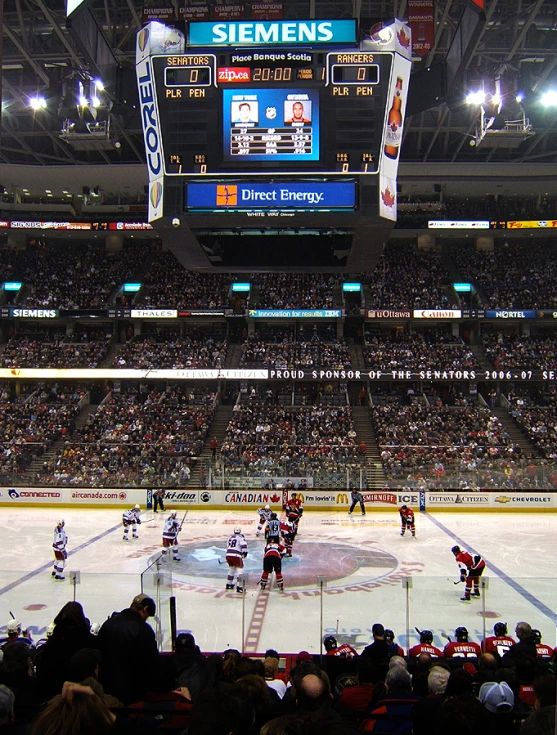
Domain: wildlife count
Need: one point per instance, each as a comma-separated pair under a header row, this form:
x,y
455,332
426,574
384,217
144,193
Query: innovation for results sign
x,y
271,196
259,33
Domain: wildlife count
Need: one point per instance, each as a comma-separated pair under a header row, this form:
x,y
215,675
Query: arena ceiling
x,y
41,56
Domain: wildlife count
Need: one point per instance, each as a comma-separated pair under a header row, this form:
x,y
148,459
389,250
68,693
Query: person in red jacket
x,y
462,647
471,569
542,651
425,646
345,650
498,643
407,520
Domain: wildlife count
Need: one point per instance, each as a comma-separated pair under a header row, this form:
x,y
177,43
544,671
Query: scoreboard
x,y
286,112
285,119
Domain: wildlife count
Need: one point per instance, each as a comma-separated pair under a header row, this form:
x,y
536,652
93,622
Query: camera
x,y
175,222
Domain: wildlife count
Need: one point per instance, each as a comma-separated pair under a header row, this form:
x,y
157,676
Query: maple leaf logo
x,y
387,197
274,498
403,39
394,127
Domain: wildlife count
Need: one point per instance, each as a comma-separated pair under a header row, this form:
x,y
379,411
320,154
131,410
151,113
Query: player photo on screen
x,y
244,113
297,112
270,123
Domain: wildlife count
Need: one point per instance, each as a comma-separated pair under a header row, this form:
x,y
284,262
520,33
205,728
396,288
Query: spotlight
x,y
37,103
475,98
549,98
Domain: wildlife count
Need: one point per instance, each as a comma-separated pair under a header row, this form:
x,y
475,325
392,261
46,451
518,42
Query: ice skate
x,y
59,576
239,589
229,586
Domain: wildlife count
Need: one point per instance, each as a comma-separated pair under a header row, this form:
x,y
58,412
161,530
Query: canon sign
x,y
226,74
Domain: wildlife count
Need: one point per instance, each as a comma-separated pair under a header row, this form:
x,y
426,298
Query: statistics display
x,y
282,123
263,113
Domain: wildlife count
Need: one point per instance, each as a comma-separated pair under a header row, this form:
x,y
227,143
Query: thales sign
x,y
253,33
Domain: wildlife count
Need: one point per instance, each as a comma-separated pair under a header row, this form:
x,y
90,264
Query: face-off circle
x,y
205,562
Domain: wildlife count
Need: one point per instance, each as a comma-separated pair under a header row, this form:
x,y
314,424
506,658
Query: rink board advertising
x,y
254,497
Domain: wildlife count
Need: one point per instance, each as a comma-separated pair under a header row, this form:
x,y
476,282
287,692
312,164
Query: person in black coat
x,y
129,651
72,633
524,649
193,670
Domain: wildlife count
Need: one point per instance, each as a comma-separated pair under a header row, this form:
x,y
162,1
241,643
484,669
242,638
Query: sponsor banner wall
x,y
71,496
255,498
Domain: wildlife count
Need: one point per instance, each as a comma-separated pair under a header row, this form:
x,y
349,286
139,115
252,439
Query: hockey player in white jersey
x,y
236,552
170,536
264,518
59,547
131,519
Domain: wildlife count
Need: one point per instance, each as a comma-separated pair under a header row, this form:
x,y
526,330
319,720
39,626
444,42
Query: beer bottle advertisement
x,y
393,132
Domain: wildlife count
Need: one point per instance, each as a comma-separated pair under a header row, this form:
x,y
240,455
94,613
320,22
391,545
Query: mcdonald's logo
x,y
342,498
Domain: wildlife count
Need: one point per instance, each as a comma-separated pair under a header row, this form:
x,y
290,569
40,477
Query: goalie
x,y
471,569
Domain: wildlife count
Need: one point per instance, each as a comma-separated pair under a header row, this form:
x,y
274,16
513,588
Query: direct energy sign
x,y
246,196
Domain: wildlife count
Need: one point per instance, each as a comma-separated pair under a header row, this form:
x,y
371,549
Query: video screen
x,y
282,124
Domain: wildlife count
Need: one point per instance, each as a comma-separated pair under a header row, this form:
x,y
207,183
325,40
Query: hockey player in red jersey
x,y
462,647
236,552
333,649
407,520
471,569
294,509
498,643
542,651
272,562
288,533
425,646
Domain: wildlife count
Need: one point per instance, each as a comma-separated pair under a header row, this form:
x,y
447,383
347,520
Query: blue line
x,y
528,596
30,575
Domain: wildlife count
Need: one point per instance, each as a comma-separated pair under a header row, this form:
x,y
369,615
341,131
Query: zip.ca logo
x,y
227,75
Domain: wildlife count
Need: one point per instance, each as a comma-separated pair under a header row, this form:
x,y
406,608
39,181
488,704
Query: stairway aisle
x,y
223,414
376,477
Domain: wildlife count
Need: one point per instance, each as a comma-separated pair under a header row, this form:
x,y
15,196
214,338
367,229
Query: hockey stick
x,y
447,637
13,616
459,581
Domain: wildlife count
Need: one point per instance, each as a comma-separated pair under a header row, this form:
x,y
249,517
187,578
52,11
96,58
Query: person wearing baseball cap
x,y
129,651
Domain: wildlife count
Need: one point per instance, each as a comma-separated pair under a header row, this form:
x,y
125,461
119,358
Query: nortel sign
x,y
254,33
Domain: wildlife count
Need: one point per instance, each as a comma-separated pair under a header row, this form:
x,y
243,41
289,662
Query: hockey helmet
x,y
461,634
329,642
137,507
267,507
500,629
389,635
426,636
60,523
14,626
536,635
237,529
456,550
273,516
173,514
403,507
